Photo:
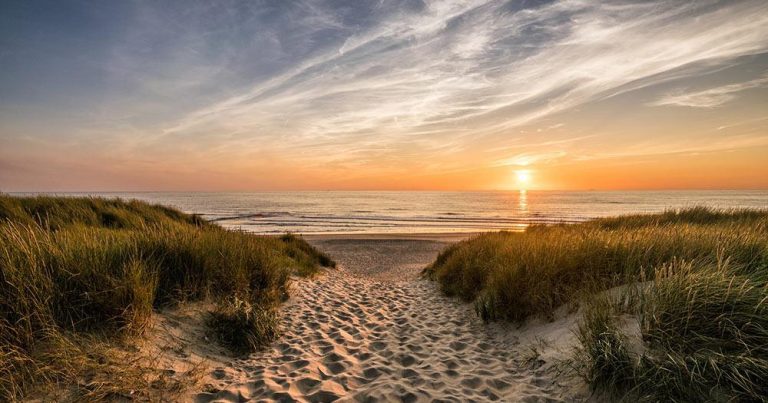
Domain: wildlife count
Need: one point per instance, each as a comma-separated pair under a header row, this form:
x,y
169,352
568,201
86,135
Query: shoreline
x,y
385,257
448,237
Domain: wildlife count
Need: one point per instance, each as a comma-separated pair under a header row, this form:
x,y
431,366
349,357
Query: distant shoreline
x,y
358,214
424,236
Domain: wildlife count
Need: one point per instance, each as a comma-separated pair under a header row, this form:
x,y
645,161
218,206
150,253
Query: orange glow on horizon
x,y
736,169
445,97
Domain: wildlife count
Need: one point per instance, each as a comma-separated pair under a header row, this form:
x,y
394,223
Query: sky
x,y
404,94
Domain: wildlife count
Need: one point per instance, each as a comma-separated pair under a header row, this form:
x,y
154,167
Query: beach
x,y
370,201
160,305
384,201
373,330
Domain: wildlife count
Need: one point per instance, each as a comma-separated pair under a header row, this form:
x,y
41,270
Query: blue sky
x,y
228,95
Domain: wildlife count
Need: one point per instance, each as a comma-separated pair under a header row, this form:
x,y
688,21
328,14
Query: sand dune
x,y
353,335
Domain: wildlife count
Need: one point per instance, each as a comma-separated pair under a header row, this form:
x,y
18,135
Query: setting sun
x,y
523,178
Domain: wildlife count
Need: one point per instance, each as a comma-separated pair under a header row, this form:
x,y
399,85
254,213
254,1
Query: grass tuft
x,y
604,355
242,327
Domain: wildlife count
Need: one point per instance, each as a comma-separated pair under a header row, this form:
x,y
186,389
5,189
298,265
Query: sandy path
x,y
372,331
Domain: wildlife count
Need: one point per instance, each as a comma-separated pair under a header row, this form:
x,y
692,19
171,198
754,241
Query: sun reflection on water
x,y
522,201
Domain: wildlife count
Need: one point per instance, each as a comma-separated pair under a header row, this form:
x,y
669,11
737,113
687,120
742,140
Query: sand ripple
x,y
349,336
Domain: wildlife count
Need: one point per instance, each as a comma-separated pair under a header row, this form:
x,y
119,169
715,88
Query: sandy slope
x,y
372,331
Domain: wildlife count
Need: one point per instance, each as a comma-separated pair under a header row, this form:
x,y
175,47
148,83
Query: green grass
x,y
704,331
75,269
604,355
702,306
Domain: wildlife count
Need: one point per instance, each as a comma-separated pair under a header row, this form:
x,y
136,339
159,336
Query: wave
x,y
249,215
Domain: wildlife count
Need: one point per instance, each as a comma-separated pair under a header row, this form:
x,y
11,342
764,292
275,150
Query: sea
x,y
403,212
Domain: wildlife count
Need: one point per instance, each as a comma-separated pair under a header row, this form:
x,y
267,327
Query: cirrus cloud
x,y
709,98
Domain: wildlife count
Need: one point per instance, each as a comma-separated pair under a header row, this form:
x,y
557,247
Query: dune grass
x,y
703,306
74,270
604,355
704,332
241,326
516,275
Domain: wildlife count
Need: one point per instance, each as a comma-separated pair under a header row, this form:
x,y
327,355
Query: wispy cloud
x,y
369,89
652,149
459,70
709,98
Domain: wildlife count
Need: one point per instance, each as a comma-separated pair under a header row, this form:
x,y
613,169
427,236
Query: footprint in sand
x,y
358,334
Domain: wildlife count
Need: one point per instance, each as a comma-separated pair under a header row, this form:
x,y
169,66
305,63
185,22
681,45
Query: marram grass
x,y
516,275
75,270
241,326
701,297
704,332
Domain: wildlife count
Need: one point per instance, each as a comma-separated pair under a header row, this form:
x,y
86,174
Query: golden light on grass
x,y
706,282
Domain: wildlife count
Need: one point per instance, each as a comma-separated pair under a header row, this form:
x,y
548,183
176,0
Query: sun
x,y
523,178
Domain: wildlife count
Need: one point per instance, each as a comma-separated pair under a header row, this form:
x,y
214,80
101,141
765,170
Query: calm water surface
x,y
427,212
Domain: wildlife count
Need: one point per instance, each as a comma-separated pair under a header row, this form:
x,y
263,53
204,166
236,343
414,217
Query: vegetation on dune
x,y
699,282
75,270
516,275
55,213
704,337
241,326
309,257
604,353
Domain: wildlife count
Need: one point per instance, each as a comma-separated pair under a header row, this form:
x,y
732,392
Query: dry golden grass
x,y
516,275
703,303
92,270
